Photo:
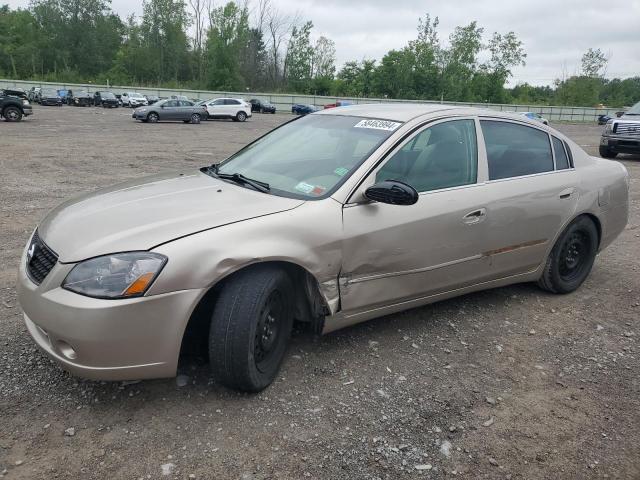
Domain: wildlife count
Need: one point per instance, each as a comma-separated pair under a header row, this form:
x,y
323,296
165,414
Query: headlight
x,y
142,109
121,275
608,127
25,102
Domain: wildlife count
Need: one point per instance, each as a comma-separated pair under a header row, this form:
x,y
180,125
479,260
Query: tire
x,y
250,328
572,257
153,117
195,118
241,116
605,152
12,114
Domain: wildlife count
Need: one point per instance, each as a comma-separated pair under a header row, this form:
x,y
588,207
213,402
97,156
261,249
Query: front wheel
x,y
12,114
153,117
250,328
572,257
605,152
195,118
241,116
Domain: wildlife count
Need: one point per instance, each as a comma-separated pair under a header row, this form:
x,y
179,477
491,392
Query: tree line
x,y
255,46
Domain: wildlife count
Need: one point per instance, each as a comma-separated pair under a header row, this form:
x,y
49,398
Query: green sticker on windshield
x,y
341,171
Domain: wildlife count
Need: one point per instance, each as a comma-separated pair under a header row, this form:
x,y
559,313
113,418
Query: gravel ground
x,y
509,383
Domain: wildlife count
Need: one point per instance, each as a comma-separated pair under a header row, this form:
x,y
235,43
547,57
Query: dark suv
x,y
262,106
105,100
14,105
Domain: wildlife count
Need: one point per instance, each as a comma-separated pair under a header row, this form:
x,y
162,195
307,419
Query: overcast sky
x,y
555,32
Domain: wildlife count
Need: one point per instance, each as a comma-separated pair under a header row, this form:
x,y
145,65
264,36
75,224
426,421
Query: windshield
x,y
50,93
107,95
312,156
635,110
135,95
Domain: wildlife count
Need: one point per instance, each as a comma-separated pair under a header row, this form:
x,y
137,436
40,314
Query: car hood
x,y
144,213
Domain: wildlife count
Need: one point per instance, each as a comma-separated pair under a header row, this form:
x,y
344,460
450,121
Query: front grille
x,y
40,259
628,129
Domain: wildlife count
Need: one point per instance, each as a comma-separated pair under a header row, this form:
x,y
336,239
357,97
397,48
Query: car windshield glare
x,y
310,157
635,110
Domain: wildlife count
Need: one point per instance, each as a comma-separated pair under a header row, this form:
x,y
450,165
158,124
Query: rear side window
x,y
515,150
231,102
562,161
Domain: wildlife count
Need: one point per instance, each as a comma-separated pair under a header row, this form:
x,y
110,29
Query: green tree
x,y
228,42
298,63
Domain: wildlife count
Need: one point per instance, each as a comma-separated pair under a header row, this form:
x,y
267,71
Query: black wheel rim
x,y
574,256
268,332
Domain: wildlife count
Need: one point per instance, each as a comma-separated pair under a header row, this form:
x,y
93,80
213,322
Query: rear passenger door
x,y
530,192
231,107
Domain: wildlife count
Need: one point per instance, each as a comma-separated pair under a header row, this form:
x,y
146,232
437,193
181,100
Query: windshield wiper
x,y
241,179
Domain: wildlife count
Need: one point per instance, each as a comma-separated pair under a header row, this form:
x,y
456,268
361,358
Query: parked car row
x,y
180,108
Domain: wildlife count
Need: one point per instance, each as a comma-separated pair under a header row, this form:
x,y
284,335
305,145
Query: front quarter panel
x,y
308,236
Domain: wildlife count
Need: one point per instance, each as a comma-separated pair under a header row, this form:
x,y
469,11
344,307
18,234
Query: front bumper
x,y
51,101
621,144
126,339
27,110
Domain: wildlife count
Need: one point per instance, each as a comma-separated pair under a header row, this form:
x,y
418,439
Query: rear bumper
x,y
127,339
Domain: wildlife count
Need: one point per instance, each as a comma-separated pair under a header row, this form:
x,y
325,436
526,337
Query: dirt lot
x,y
510,383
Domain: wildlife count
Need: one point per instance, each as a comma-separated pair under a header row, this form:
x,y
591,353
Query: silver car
x,y
170,110
330,220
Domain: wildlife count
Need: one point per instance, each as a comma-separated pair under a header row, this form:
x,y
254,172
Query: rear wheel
x,y
153,117
12,114
250,328
606,152
241,116
572,257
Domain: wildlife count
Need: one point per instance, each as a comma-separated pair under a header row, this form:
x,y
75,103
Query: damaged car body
x,y
330,219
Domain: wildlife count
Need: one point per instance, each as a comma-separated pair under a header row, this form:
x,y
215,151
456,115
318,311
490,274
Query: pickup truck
x,y
14,105
622,135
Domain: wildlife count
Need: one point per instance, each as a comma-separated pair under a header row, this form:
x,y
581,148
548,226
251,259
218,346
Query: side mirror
x,y
392,192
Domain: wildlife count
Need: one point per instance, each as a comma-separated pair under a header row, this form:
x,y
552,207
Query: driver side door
x,y
393,254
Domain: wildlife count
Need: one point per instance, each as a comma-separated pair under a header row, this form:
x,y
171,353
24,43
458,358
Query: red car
x,y
340,103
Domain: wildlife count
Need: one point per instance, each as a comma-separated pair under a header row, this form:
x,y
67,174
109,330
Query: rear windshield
x,y
310,157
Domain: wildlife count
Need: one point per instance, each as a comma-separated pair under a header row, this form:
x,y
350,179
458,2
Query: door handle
x,y
566,193
475,217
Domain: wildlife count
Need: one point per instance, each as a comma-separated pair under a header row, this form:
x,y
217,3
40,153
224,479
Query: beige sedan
x,y
331,219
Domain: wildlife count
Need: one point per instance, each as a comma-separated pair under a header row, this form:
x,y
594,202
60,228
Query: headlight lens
x,y
608,127
121,275
25,102
142,109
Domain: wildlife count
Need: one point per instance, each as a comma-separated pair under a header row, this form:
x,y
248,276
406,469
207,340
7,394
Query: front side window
x,y
442,156
310,157
515,150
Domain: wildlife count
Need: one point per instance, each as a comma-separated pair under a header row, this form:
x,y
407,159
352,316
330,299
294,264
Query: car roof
x,y
400,112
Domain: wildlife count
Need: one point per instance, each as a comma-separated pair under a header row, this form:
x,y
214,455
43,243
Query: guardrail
x,y
283,102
